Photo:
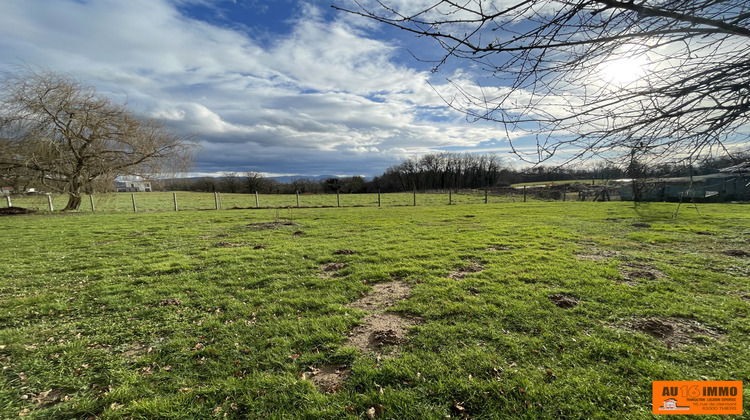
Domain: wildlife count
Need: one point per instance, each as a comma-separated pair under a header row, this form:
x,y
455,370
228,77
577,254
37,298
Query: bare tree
x,y
252,181
231,181
589,78
70,136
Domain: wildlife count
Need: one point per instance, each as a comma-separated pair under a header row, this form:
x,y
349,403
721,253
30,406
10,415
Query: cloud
x,y
322,97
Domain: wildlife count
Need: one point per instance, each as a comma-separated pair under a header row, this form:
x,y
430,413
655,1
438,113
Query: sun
x,y
625,69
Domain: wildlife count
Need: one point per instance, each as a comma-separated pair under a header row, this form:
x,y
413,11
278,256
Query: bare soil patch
x,y
562,301
635,272
381,333
269,225
736,253
345,252
383,296
329,269
231,245
673,332
641,225
329,378
12,211
170,302
461,272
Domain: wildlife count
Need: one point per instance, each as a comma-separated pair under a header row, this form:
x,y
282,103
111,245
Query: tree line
x,y
446,171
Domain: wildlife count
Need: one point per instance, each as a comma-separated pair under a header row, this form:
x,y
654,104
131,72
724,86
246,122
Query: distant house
x,y
132,186
718,187
6,190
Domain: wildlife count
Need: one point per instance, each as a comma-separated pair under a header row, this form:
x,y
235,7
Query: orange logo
x,y
696,397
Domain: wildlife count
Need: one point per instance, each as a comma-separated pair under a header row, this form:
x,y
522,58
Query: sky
x,y
282,87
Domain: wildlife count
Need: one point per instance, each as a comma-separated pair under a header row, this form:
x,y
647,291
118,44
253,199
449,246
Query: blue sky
x,y
282,87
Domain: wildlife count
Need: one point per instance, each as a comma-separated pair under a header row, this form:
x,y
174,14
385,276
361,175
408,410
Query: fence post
x,y
49,202
485,195
91,200
7,200
132,197
450,197
338,201
565,192
378,197
216,200
415,195
297,192
174,198
221,205
257,203
524,193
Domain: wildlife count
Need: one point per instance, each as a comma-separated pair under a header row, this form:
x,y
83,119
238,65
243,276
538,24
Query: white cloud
x,y
323,91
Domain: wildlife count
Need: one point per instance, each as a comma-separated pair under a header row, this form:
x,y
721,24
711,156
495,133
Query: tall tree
x,y
669,78
69,135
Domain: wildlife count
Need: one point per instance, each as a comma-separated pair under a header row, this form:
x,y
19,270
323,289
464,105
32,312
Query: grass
x,y
217,314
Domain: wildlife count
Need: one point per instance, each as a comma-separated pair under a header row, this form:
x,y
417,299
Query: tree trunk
x,y
74,201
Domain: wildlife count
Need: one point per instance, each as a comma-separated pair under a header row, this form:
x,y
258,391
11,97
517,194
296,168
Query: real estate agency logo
x,y
697,397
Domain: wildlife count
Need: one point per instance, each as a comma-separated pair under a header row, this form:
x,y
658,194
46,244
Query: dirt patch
x,y
673,332
269,225
381,333
170,302
634,272
736,253
12,211
329,269
641,225
562,301
703,232
383,296
345,252
461,272
231,244
329,378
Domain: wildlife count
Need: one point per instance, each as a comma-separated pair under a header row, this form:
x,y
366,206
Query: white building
x,y
132,186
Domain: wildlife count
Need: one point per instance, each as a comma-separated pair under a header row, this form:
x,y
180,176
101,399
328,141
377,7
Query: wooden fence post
x,y
450,197
524,193
174,199
7,200
257,203
91,200
565,192
338,201
415,195
49,202
221,205
132,198
485,195
216,200
297,192
378,197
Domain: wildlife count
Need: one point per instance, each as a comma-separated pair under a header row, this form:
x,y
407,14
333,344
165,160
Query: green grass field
x,y
508,310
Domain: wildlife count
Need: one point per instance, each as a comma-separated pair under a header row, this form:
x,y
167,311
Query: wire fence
x,y
183,200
